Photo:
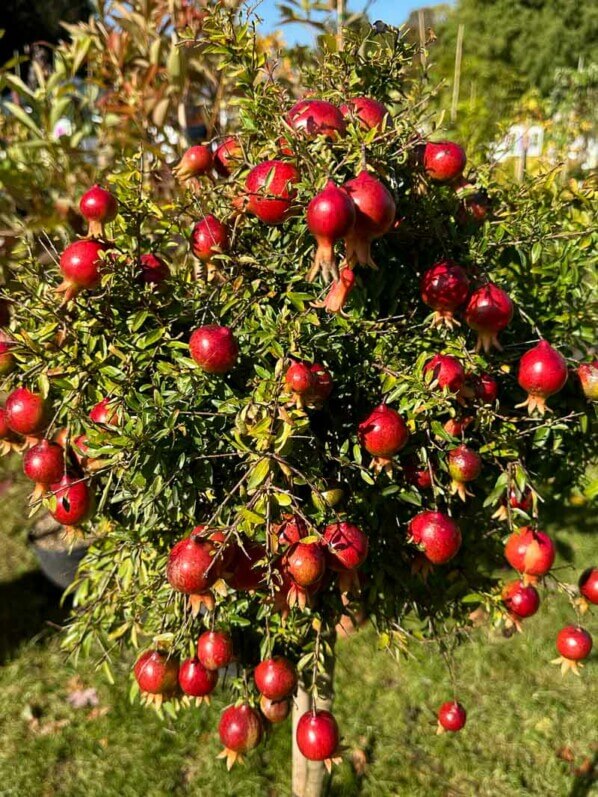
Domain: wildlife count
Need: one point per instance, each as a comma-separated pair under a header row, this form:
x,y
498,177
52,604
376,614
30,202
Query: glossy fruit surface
x,y
270,191
530,551
275,710
214,348
240,728
44,463
7,358
588,377
276,678
485,388
246,574
191,567
444,287
452,716
305,563
588,584
228,156
520,599
209,237
542,373
81,263
25,411
369,112
489,311
383,433
317,735
437,534
464,464
291,530
322,386
330,217
443,161
156,672
195,680
347,545
98,204
154,270
196,161
105,412
214,649
299,378
574,643
314,118
375,212
73,500
447,372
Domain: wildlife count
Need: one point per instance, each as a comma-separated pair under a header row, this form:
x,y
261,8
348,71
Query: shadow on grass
x,y
585,782
29,606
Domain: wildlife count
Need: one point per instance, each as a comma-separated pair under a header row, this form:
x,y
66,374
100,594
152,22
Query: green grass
x,y
521,713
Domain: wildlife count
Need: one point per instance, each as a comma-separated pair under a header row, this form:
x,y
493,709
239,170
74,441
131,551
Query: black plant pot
x,y
58,560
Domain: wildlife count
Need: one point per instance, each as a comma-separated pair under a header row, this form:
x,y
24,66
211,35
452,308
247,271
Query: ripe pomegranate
x,y
291,530
489,311
7,358
4,313
347,545
475,205
417,475
443,161
574,644
436,534
451,717
542,372
80,264
531,552
214,649
6,432
520,599
99,207
330,218
245,573
299,378
196,161
156,673
154,270
305,563
191,567
275,710
464,465
73,500
317,735
105,413
588,584
214,348
322,386
270,192
485,388
383,434
228,156
588,377
276,678
314,118
369,113
209,237
458,426
44,463
444,288
517,500
195,680
339,291
447,372
25,412
240,730
375,212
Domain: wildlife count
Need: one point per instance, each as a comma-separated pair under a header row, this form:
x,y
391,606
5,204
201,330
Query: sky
x,y
392,11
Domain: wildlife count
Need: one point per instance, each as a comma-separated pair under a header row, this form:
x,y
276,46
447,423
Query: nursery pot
x,y
58,558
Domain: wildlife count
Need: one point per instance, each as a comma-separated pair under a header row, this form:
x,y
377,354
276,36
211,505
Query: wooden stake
x,y
421,23
457,76
340,21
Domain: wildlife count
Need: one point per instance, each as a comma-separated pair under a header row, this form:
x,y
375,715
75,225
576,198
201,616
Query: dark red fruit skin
x,y
227,156
347,546
291,530
299,378
276,678
369,112
196,161
542,370
530,551
214,348
209,237
485,388
80,263
44,463
244,575
25,412
195,680
588,584
7,359
4,313
154,270
6,432
317,735
156,673
447,371
521,600
489,311
305,563
443,161
240,728
375,208
98,204
73,500
214,649
574,643
437,534
588,377
317,118
417,475
191,568
104,412
383,433
452,716
444,286
275,710
464,464
270,191
322,386
524,502
330,214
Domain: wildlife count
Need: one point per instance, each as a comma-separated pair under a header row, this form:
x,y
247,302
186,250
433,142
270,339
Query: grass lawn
x,y
529,731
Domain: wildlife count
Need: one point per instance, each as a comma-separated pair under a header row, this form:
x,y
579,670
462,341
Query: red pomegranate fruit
x,y
209,237
314,118
4,313
214,348
317,735
245,572
347,545
443,161
7,358
542,373
383,434
464,465
25,412
105,412
299,378
196,161
99,207
520,599
339,291
574,644
6,433
368,112
191,567
485,388
516,500
80,264
588,377
588,585
291,530
330,218
436,534
322,386
305,563
156,673
214,649
275,710
240,730
375,212
416,474
227,156
44,463
276,678
195,680
489,311
530,552
270,192
444,288
73,500
447,372
458,426
154,270
451,717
